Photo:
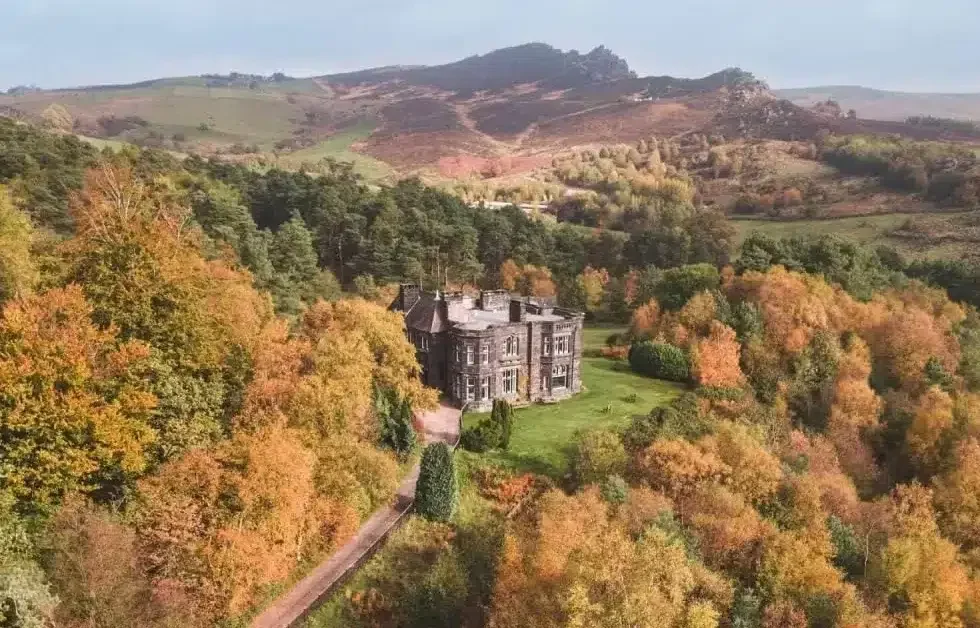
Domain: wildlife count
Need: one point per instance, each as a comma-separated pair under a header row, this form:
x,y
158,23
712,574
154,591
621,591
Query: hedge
x,y
659,360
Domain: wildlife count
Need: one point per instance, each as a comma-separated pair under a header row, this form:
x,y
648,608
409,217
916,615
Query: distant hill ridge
x,y
509,110
889,105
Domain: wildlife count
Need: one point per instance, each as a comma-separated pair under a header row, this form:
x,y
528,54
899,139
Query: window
x,y
424,341
470,388
546,345
485,353
485,388
512,347
457,349
559,376
470,358
561,345
457,387
510,381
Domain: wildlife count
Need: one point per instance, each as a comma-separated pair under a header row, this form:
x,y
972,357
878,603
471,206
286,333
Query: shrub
x,y
681,419
437,489
615,490
491,433
474,439
598,455
659,360
395,429
503,417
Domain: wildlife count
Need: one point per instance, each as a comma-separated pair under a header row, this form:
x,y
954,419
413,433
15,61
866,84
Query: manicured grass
x,y
543,434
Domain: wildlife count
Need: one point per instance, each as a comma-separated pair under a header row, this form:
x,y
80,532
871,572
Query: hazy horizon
x,y
893,45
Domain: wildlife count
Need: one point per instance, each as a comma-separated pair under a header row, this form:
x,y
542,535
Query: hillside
x,y
885,105
524,102
509,112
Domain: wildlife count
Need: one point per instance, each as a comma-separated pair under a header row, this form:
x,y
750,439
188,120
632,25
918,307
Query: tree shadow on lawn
x,y
613,366
531,463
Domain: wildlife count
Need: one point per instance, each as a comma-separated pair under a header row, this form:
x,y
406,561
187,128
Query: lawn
x,y
543,434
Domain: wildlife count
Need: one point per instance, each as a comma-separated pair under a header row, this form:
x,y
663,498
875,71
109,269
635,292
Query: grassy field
x,y
339,147
866,230
543,433
861,229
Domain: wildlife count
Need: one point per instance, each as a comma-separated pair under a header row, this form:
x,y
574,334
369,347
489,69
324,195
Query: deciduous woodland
x,y
201,392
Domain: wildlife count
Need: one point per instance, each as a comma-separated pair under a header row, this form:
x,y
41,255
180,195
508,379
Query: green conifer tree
x,y
437,490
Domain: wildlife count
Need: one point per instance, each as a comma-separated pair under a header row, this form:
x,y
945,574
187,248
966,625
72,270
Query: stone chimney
x,y
493,300
408,295
517,310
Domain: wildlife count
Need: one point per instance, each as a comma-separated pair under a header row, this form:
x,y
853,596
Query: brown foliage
x,y
715,359
574,566
646,319
97,569
72,410
957,496
217,527
677,467
927,435
729,530
854,413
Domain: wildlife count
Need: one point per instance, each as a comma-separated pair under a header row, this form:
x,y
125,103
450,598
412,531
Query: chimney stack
x,y
517,310
408,295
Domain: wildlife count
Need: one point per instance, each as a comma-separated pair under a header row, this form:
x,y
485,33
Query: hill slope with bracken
x,y
517,106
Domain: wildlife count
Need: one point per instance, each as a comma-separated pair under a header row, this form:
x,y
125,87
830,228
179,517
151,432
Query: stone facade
x,y
495,346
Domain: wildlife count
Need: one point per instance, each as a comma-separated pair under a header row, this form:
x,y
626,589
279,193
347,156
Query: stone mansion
x,y
494,346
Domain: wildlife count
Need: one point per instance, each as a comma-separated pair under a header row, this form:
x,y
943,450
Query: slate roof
x,y
431,313
426,315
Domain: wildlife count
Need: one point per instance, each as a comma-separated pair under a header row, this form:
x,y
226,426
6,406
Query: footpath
x,y
294,605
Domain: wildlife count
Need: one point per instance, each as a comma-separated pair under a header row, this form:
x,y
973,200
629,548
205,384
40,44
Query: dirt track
x,y
294,605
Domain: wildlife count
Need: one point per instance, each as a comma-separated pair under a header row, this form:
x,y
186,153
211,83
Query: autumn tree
x,y
592,283
577,567
715,359
137,259
957,496
854,413
598,454
509,274
536,281
76,416
919,572
25,597
929,434
96,567
645,320
18,271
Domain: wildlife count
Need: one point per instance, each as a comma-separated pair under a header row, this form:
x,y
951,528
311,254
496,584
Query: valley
x,y
724,341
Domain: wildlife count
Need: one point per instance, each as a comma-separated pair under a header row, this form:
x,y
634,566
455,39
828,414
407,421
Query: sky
x,y
910,45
